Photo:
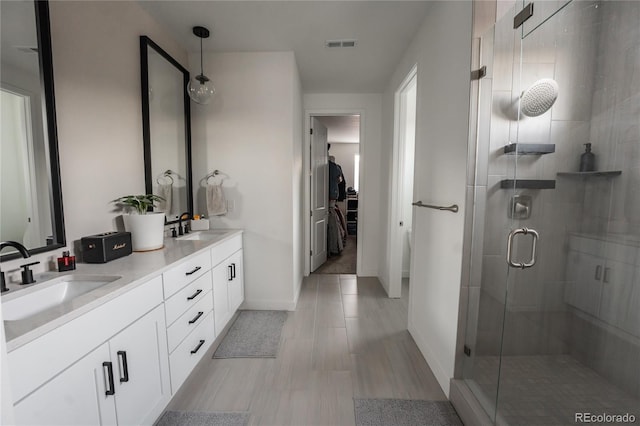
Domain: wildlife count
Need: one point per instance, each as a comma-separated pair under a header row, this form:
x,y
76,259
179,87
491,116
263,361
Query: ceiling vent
x,y
340,43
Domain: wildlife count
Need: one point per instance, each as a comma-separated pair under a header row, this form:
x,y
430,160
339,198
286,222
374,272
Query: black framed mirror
x,y
166,127
31,206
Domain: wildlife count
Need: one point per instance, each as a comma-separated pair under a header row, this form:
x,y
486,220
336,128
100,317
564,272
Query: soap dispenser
x,y
587,159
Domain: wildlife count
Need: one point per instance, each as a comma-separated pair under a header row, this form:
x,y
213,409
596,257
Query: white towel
x,y
216,203
165,190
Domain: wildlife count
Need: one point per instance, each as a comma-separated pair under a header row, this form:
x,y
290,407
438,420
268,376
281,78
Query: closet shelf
x,y
529,148
527,184
609,173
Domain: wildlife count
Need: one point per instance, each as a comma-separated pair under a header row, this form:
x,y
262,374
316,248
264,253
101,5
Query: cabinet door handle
x,y
109,377
122,355
196,318
193,271
198,347
605,279
194,295
230,274
598,273
233,269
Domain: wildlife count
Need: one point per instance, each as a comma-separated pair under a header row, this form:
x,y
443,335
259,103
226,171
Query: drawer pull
x,y
125,367
193,271
109,378
230,274
605,278
194,295
196,318
198,347
233,271
598,273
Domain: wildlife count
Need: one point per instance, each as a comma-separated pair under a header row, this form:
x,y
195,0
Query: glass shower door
x,y
568,348
553,331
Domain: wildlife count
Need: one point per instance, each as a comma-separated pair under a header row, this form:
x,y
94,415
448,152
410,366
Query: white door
x,y
236,285
221,277
139,354
77,396
403,171
319,193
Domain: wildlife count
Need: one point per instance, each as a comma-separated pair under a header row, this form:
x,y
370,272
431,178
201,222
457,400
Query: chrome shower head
x,y
539,98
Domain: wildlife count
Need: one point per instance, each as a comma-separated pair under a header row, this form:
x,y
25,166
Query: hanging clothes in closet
x,y
337,225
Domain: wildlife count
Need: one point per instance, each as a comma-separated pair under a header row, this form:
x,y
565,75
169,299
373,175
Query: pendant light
x,y
200,88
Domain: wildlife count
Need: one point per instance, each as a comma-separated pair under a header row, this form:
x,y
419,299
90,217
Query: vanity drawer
x,y
175,278
187,297
189,321
190,351
226,249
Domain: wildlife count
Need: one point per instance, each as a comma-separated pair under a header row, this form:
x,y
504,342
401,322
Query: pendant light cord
x,y
201,67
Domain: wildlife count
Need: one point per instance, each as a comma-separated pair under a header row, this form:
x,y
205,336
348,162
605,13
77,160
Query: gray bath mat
x,y
193,418
404,412
254,334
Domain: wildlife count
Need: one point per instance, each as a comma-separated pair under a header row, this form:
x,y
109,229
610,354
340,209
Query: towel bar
x,y
452,208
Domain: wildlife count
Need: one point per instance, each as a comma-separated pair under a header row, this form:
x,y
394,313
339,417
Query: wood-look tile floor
x,y
345,339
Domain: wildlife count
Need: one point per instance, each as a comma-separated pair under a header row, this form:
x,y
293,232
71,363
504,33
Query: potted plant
x,y
146,226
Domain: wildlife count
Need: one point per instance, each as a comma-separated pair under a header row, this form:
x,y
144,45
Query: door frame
x,y
396,232
308,113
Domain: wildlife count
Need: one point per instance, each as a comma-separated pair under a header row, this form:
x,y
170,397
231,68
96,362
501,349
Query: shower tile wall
x,y
598,72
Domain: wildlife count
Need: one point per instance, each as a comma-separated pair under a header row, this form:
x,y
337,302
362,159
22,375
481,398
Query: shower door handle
x,y
532,259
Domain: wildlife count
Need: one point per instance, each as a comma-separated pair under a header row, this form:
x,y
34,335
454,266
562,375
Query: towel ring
x,y
213,175
166,175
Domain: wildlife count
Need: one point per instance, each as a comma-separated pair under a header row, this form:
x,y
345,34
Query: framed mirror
x,y
166,123
31,195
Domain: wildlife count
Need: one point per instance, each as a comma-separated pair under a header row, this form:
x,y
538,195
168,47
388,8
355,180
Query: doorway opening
x,y
334,188
403,171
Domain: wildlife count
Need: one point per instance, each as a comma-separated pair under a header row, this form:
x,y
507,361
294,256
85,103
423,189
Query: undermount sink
x,y
50,294
211,234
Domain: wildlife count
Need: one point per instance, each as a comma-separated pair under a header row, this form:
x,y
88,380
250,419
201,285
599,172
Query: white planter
x,y
147,230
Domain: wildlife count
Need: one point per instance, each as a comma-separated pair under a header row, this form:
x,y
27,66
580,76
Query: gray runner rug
x,y
254,334
404,412
193,418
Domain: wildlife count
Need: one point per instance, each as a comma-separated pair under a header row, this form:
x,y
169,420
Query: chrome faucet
x,y
23,251
185,230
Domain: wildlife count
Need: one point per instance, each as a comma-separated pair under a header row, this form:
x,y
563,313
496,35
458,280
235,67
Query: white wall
x,y
442,51
369,220
344,153
248,132
96,60
298,185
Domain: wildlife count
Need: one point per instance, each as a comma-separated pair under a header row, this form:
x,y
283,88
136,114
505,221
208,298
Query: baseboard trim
x,y
269,305
466,405
441,376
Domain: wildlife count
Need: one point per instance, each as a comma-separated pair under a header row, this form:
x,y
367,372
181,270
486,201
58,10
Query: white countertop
x,y
134,270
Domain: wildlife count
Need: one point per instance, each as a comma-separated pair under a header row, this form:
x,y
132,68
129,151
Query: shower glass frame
x,y
531,321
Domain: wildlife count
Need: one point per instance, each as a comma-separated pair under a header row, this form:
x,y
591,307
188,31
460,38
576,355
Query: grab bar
x,y
453,208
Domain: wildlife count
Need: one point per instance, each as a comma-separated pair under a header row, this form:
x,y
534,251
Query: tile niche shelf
x,y
528,183
529,148
609,173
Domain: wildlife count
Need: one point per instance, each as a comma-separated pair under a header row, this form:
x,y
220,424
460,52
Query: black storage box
x,y
102,248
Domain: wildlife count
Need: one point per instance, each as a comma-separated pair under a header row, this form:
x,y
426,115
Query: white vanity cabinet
x,y
120,361
76,396
188,307
228,281
124,381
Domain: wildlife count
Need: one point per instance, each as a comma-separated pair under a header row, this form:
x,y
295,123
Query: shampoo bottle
x,y
587,159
